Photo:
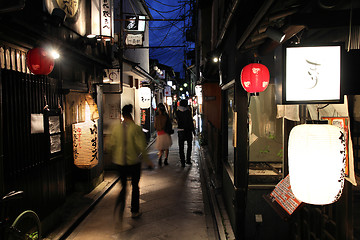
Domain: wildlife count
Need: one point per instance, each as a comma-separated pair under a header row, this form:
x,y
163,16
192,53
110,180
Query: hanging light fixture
x,y
255,78
39,61
275,34
316,155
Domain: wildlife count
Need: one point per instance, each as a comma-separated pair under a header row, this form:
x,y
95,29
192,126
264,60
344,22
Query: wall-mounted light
x,y
55,54
215,59
275,34
99,37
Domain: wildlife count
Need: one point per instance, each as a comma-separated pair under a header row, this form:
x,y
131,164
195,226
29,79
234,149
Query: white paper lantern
x,y
316,163
144,97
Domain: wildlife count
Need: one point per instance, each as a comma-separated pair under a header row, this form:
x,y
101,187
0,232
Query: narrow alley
x,y
171,202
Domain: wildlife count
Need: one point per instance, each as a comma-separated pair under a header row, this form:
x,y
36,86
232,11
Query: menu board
x,y
282,199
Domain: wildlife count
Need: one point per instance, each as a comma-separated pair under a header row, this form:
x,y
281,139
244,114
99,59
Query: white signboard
x,y
144,97
134,39
313,74
106,17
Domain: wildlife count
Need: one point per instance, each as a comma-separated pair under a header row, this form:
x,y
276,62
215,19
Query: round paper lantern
x,y
39,61
144,97
255,78
316,163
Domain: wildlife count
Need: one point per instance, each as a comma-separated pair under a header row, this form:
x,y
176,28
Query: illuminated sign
x,y
85,144
106,17
135,23
312,74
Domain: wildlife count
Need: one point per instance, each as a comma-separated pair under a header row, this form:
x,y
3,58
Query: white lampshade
x,y
144,97
316,163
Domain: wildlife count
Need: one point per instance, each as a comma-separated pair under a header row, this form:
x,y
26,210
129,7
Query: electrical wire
x,y
164,3
171,33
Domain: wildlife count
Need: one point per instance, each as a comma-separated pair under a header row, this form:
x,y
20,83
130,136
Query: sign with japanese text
x,y
144,97
283,195
134,39
85,144
342,123
106,17
135,23
312,74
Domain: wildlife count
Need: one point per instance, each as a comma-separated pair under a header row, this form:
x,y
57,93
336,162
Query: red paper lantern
x,y
255,77
39,61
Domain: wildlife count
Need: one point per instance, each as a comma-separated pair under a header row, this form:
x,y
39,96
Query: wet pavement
x,y
171,202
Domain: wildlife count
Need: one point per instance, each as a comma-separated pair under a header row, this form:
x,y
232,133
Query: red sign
x,y
283,195
143,116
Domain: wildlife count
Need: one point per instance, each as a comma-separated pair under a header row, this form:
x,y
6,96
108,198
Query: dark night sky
x,y
169,33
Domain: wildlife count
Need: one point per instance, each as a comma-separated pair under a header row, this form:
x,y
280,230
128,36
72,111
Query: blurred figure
x,y
185,131
128,148
163,127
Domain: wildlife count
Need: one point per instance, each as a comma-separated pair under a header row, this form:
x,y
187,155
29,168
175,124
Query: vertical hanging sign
x,y
106,17
85,144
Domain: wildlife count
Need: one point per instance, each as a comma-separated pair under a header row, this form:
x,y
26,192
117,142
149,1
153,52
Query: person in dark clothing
x,y
185,131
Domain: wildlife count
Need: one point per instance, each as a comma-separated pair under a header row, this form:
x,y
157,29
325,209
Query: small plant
x,y
266,150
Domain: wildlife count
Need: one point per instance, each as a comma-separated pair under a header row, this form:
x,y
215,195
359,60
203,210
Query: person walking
x,y
185,131
163,127
128,147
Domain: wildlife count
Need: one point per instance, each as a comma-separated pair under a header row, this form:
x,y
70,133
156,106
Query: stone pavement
x,y
171,202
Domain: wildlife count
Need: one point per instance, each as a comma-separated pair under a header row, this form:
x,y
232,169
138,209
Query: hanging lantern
x,y
39,61
255,78
144,97
85,144
316,163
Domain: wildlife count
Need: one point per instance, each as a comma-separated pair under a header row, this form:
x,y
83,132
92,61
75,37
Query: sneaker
x,y
166,161
136,214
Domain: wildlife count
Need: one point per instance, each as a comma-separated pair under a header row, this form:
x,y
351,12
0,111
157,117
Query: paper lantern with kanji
x,y
39,61
255,78
316,155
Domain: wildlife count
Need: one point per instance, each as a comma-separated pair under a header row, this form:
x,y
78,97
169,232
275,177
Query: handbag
x,y
168,127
